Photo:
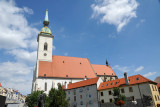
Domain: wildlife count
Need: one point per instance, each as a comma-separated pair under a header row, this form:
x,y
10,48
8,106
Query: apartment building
x,y
135,88
83,93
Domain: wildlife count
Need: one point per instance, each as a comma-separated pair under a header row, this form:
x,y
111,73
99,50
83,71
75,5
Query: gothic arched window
x,y
45,46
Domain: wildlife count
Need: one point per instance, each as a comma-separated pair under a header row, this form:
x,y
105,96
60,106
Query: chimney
x,y
85,78
126,78
104,77
65,87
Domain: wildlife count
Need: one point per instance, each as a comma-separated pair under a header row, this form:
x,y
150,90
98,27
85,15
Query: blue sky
x,y
126,32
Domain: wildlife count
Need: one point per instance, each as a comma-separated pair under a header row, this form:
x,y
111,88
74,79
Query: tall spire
x,y
46,21
46,16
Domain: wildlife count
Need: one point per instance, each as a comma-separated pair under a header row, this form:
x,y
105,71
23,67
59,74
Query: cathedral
x,y
51,70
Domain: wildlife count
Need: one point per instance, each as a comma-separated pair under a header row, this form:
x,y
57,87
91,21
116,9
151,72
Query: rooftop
x,y
136,79
83,83
71,67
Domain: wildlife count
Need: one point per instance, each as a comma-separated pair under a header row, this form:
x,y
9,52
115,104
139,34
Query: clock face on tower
x,y
45,54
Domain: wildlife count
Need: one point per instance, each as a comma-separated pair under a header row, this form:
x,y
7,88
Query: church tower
x,y
45,41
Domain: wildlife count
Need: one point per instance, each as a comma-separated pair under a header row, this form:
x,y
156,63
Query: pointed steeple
x,y
45,30
46,21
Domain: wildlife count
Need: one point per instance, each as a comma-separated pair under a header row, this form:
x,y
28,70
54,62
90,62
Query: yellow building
x,y
3,91
135,88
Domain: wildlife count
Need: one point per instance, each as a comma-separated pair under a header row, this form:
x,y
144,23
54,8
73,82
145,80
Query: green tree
x,y
57,98
31,100
119,99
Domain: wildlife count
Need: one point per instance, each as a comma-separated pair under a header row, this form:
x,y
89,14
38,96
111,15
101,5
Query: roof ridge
x,y
69,56
147,78
85,80
96,64
83,83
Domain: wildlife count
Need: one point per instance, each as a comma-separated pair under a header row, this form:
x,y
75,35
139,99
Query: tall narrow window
x,y
122,90
130,89
45,46
74,98
45,86
101,93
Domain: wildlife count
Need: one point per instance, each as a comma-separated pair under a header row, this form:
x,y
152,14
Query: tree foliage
x,y
57,98
119,99
32,99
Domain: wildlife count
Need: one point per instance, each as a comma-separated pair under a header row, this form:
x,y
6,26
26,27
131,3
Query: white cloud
x,y
149,74
17,38
140,22
23,56
11,69
112,36
66,54
128,68
139,68
123,69
27,10
115,12
15,30
16,75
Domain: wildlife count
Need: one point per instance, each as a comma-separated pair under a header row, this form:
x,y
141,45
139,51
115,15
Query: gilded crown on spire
x,y
45,29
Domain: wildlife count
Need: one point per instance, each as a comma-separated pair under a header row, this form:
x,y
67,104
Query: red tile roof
x,y
158,85
136,79
83,83
0,85
101,69
70,67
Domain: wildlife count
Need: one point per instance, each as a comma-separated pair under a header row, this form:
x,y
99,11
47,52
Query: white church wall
x,y
53,83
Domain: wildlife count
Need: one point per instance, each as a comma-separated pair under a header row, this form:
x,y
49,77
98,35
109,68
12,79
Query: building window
x,y
155,88
110,100
111,83
155,98
130,89
87,88
81,102
45,46
103,85
80,90
74,92
81,96
45,86
68,98
115,83
101,93
106,84
137,78
158,97
152,88
122,90
102,101
68,92
89,95
74,98
109,92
